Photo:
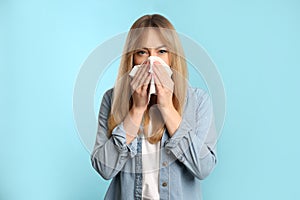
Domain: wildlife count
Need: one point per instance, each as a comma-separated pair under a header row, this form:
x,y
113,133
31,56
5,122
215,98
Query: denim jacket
x,y
185,158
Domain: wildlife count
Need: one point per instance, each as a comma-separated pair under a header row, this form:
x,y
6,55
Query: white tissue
x,y
152,89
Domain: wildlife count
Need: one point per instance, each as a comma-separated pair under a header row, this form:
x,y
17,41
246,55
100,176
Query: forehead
x,y
151,38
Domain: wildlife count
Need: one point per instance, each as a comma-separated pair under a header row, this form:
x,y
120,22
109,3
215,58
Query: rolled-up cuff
x,y
179,142
119,138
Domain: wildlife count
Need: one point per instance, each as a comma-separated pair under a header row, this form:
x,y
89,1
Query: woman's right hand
x,y
139,85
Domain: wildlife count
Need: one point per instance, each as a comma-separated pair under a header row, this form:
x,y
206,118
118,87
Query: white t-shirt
x,y
150,161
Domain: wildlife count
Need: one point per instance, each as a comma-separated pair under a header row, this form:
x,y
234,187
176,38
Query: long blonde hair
x,y
122,100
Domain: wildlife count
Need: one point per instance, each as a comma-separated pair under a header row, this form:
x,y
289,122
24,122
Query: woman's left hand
x,y
164,86
164,90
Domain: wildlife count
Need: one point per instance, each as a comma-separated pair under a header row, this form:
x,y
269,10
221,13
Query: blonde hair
x,y
122,100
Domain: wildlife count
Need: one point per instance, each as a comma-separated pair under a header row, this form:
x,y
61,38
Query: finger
x,y
159,73
157,82
146,83
160,68
141,75
145,77
138,73
136,81
164,78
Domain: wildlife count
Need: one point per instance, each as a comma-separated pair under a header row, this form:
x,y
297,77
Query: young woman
x,y
156,136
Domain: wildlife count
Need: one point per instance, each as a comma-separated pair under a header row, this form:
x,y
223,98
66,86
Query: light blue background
x,y
255,45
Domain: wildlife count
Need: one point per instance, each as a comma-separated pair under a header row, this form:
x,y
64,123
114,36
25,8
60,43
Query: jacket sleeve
x,y
110,153
196,147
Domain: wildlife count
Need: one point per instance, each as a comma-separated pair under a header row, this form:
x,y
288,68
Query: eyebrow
x,y
156,47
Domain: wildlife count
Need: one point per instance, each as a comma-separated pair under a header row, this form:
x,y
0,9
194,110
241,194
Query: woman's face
x,y
152,45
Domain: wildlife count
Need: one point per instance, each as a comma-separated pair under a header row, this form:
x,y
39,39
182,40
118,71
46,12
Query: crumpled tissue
x,y
152,59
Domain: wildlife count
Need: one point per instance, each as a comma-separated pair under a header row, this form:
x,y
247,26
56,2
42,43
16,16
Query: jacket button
x,y
164,184
164,164
181,158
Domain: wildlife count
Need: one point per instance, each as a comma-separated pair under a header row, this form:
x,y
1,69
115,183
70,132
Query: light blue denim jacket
x,y
186,158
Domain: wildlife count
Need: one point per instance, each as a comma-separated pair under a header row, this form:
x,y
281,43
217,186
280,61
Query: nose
x,y
152,52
